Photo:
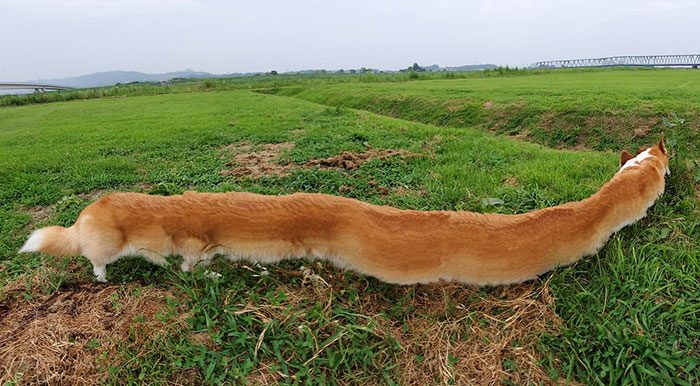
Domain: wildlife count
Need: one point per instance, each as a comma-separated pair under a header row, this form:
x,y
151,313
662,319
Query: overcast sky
x,y
41,39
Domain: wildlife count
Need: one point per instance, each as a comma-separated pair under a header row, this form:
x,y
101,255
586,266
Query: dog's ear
x,y
661,144
624,157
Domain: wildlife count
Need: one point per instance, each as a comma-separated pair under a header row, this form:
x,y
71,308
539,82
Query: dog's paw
x,y
100,272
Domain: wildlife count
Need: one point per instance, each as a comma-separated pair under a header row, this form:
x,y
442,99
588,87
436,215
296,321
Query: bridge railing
x,y
632,61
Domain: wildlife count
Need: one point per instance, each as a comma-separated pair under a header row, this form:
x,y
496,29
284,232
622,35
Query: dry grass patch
x,y
512,181
72,335
351,160
452,338
449,333
257,162
39,214
263,161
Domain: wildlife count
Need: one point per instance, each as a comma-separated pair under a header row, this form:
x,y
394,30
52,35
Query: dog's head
x,y
656,153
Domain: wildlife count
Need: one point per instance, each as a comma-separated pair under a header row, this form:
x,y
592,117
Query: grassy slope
x,y
639,294
597,109
268,83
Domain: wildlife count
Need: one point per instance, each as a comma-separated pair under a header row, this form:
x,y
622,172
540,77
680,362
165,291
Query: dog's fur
x,y
397,246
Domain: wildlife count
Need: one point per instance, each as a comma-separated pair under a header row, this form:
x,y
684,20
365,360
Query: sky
x,y
44,39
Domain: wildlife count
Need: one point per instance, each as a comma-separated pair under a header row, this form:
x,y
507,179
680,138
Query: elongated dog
x,y
397,246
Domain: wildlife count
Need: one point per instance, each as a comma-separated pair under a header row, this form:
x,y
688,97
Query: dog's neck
x,y
626,197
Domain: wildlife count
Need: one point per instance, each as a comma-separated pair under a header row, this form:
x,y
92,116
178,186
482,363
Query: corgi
x,y
393,245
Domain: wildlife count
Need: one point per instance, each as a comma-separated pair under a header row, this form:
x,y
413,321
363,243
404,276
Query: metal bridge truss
x,y
627,61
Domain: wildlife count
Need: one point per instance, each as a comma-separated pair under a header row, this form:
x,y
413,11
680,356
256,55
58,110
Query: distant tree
x,y
352,71
273,72
415,67
341,71
364,70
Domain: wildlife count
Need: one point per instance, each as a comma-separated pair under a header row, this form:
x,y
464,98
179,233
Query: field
x,y
507,142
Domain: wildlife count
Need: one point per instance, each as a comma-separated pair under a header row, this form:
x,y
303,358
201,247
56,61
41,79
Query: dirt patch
x,y
488,104
350,161
260,162
263,161
70,336
39,214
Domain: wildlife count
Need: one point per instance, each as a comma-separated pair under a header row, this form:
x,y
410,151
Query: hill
x,y
108,78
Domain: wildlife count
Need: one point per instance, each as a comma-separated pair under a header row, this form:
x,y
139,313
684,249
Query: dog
x,y
394,245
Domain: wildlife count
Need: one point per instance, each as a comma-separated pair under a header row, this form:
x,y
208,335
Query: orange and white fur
x,y
397,246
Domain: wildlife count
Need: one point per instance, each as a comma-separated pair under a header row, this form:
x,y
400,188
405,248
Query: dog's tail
x,y
54,241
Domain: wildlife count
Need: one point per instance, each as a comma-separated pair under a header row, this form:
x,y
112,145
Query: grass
x,y
595,109
266,83
626,315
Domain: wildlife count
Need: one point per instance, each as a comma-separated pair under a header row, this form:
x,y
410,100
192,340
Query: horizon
x,y
252,73
329,70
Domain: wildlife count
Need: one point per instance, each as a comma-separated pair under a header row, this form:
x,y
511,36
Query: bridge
x,y
32,86
626,61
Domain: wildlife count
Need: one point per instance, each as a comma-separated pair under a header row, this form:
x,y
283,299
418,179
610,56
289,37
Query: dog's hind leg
x,y
194,251
153,244
101,246
153,257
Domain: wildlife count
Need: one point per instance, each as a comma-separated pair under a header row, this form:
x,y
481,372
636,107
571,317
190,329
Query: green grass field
x,y
509,144
594,109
